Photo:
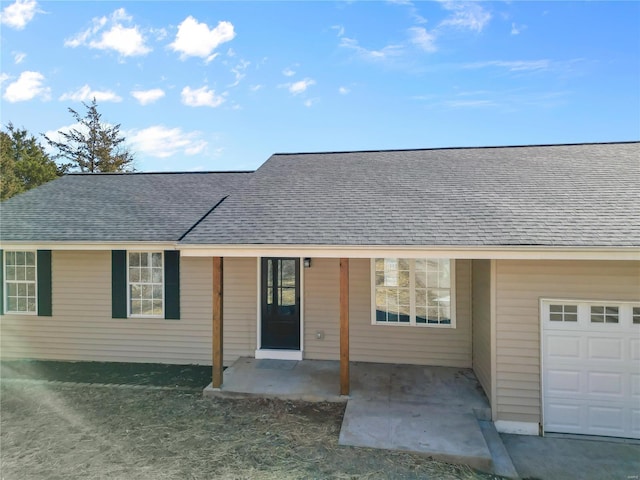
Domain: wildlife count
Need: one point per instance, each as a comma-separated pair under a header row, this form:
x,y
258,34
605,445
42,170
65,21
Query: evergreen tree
x,y
24,164
93,146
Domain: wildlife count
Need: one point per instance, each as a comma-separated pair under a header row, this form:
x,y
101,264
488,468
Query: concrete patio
x,y
436,411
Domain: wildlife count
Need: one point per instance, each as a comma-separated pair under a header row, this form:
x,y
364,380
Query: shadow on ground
x,y
148,374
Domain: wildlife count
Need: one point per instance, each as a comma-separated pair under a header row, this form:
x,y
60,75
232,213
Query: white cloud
x,y
255,88
145,97
301,86
423,39
201,97
513,66
238,71
311,102
18,57
517,29
287,72
343,90
3,78
19,13
372,55
86,94
112,34
466,15
195,39
162,142
339,29
28,86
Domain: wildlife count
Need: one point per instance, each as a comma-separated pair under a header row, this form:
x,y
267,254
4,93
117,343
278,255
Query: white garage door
x,y
591,367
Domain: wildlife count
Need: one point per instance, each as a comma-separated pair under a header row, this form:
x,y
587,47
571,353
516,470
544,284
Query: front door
x,y
280,303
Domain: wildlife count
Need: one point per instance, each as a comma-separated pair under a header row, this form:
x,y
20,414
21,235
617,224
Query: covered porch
x,y
441,412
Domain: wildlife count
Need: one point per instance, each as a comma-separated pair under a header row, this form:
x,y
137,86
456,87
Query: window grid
x,y
20,282
604,314
412,292
146,284
636,315
563,313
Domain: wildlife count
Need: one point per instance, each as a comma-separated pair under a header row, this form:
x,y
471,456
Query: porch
x,y
437,411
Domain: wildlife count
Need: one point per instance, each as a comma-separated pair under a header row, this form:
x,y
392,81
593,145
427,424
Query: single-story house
x,y
522,263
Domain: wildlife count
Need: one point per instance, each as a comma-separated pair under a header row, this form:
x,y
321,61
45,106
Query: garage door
x,y
591,367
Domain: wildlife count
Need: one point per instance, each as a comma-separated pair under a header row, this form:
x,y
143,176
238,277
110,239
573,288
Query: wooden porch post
x,y
344,326
216,381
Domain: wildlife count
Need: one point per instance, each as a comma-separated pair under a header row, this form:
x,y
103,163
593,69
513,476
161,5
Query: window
x,y
604,314
563,313
413,292
20,282
636,315
146,284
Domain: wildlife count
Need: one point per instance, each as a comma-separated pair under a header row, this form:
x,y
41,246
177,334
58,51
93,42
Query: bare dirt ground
x,y
64,431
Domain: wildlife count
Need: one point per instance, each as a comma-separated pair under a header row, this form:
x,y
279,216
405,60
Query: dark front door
x,y
281,303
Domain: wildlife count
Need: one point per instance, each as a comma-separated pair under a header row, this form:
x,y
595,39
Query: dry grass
x,y
88,432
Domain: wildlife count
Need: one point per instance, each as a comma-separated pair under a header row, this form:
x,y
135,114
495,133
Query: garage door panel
x,y
634,348
563,382
605,383
561,416
563,347
605,420
605,348
591,370
635,422
635,387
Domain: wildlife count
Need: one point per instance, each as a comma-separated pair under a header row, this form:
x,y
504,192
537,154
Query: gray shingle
x,y
155,207
562,195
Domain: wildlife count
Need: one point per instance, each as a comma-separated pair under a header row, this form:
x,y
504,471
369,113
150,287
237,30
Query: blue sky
x,y
222,85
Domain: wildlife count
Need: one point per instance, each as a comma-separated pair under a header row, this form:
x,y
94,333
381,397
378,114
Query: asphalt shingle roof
x,y
562,195
154,207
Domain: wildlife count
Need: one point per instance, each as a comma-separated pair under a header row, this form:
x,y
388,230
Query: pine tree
x,y
24,164
93,146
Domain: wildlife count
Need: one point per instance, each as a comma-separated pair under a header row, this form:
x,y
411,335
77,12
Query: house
x,y
522,263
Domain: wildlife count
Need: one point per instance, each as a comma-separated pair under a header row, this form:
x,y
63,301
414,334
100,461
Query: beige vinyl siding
x,y
322,309
481,314
81,327
408,344
240,308
519,287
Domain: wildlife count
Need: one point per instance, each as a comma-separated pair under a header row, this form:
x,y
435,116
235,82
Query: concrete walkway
x,y
558,457
430,410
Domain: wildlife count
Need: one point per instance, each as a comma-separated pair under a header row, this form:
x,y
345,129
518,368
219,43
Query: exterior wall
x,y
322,309
519,286
81,327
239,309
481,323
450,347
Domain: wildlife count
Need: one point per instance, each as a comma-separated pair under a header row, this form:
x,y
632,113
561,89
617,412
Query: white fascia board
x,y
363,251
143,246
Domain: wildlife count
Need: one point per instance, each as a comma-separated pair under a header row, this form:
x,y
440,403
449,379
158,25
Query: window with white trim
x,y
146,284
563,313
408,291
20,282
604,314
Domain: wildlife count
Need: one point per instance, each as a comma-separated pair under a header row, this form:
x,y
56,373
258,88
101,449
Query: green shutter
x,y
172,285
1,282
119,284
44,282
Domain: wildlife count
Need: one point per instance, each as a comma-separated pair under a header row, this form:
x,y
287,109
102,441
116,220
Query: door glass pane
x,y
288,273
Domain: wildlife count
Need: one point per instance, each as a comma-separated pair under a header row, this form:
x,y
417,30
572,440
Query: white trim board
x,y
518,428
278,354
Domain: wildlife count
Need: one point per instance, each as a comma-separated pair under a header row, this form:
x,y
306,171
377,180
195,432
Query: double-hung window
x,y
20,282
410,291
146,284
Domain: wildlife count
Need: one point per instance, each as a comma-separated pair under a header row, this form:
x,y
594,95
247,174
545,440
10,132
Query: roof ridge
x,y
622,142
160,173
